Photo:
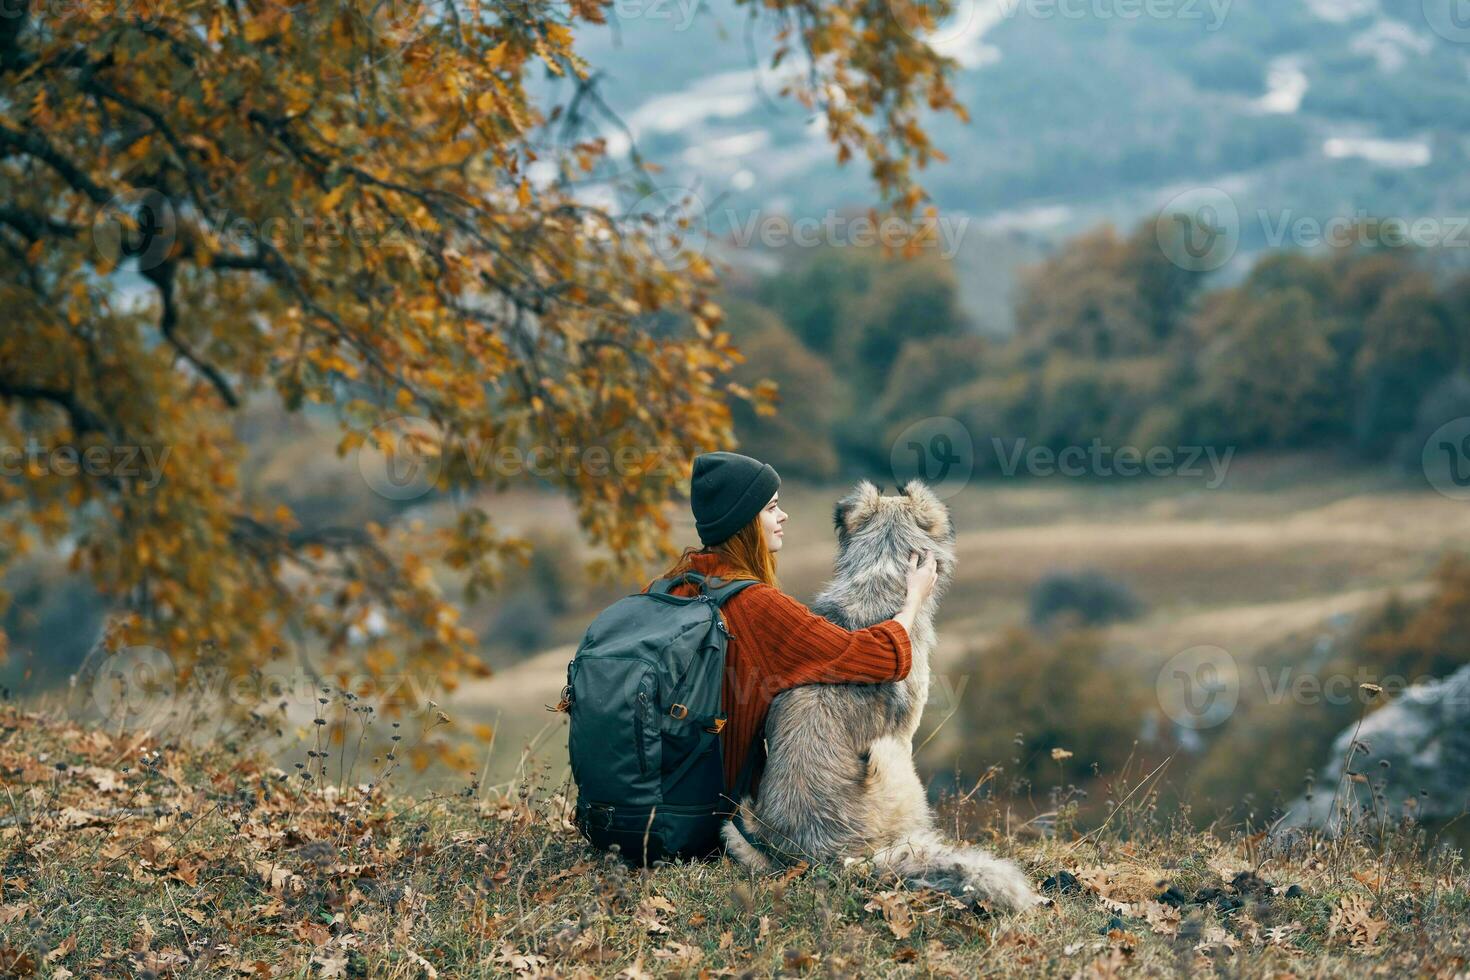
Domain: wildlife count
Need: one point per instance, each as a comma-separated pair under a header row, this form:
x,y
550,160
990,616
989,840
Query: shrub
x,y
1446,401
994,408
1081,400
925,371
1286,734
522,623
1014,711
1086,597
1432,640
798,439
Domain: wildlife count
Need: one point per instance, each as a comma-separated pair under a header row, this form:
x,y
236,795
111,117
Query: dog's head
x,y
874,529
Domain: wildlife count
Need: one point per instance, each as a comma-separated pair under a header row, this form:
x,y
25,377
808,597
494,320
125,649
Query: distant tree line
x,y
1362,347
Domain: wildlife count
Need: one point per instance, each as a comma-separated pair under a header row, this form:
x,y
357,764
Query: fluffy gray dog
x,y
839,780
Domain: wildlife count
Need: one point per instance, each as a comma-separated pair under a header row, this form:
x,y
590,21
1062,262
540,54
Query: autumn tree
x,y
795,434
1408,345
810,291
361,206
1084,301
1268,368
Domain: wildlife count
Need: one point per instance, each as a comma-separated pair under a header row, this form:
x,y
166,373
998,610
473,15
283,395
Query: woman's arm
x,y
801,647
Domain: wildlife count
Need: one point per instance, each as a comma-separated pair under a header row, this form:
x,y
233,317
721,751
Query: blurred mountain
x,y
1082,111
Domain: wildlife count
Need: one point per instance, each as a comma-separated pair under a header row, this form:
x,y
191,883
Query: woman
x,y
776,642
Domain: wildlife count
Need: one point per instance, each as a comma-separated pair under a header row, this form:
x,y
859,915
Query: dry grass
x,y
121,857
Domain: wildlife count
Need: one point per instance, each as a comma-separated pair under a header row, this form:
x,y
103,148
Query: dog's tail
x,y
926,860
742,844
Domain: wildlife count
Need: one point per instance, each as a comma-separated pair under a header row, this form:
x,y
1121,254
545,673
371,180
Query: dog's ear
x,y
928,510
855,508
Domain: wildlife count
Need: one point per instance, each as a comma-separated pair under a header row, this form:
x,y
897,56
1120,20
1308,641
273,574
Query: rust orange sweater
x,y
777,643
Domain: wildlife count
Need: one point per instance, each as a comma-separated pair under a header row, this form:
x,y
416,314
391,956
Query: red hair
x,y
745,553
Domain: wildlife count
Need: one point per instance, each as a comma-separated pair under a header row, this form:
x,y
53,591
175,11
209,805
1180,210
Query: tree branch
x,y
162,276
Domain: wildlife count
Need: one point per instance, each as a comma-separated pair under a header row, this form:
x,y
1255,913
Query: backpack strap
x,y
746,774
716,588
664,586
706,739
720,590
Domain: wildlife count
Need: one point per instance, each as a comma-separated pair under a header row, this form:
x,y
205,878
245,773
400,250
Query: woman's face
x,y
771,520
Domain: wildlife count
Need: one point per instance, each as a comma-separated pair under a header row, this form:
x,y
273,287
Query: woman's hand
x,y
923,574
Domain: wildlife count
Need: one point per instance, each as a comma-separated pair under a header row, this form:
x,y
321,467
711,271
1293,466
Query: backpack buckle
x,y
678,711
719,725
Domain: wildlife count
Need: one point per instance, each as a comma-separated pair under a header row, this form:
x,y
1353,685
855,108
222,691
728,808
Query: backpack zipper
x,y
638,733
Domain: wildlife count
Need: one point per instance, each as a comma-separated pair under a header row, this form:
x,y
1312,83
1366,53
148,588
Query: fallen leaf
x,y
679,954
64,949
423,964
1163,919
330,964
896,912
635,972
1353,917
15,912
649,911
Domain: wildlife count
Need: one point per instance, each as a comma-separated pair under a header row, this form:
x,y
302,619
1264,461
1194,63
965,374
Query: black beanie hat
x,y
727,491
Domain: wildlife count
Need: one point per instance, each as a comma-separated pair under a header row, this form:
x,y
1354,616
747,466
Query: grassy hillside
x,y
122,857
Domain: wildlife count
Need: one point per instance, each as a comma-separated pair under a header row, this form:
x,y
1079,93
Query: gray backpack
x,y
643,692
